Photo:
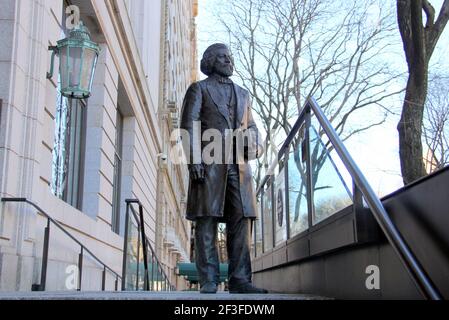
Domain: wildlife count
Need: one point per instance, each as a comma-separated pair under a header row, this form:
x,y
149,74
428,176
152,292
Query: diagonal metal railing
x,y
137,252
361,186
46,245
154,276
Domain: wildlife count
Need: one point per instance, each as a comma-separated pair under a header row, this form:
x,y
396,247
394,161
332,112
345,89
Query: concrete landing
x,y
144,295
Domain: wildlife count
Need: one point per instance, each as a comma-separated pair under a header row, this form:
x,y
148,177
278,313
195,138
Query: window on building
x,y
69,150
116,201
70,143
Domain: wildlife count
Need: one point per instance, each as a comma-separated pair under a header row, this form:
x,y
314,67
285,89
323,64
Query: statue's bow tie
x,y
224,80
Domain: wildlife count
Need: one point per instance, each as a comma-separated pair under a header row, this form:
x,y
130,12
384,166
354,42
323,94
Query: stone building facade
x,y
179,71
80,160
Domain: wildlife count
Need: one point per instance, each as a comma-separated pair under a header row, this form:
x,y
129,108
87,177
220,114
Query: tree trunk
x,y
410,130
419,43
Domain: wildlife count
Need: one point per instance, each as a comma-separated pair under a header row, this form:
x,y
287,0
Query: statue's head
x,y
217,59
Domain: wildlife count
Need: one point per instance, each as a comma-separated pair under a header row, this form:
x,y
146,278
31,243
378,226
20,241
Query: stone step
x,y
145,295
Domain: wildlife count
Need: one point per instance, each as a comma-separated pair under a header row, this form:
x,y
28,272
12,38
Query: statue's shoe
x,y
209,287
247,288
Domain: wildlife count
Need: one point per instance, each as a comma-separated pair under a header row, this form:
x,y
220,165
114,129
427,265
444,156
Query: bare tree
x,y
287,50
436,123
419,42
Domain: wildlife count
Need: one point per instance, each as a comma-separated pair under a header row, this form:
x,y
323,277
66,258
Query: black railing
x,y
45,251
154,276
360,185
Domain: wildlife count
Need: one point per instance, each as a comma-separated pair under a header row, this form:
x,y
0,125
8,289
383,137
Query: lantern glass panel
x,y
90,57
63,67
75,63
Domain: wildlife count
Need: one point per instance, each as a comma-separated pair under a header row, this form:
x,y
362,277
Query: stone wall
x,y
129,71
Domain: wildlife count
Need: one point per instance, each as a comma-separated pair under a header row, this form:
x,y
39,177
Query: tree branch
x,y
430,13
434,33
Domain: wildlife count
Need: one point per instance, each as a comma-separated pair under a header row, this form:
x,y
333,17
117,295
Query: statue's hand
x,y
197,173
250,145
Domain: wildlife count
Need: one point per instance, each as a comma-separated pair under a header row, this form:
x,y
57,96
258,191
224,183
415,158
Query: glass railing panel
x,y
141,268
268,218
332,153
92,273
280,221
159,279
155,274
330,192
110,281
132,254
62,265
150,264
297,188
154,277
41,223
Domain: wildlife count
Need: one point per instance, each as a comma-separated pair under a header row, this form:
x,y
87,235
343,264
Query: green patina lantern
x,y
78,57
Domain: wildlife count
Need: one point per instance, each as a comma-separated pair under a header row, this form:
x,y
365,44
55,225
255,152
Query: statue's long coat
x,y
203,102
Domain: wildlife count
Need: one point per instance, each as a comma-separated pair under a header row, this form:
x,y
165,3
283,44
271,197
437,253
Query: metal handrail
x,y
408,259
147,241
153,252
146,244
46,245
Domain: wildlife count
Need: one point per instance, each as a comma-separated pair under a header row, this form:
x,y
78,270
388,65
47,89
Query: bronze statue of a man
x,y
221,191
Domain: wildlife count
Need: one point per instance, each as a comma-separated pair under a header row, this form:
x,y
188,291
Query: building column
x,y
100,142
23,66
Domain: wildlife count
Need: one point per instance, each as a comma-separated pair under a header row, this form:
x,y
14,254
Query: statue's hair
x,y
209,57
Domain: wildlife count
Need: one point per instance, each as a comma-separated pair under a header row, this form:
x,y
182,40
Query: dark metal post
x,y
262,218
116,283
45,257
146,284
160,270
125,247
138,262
80,268
103,279
309,168
357,197
287,188
152,271
273,213
255,237
167,280
144,245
